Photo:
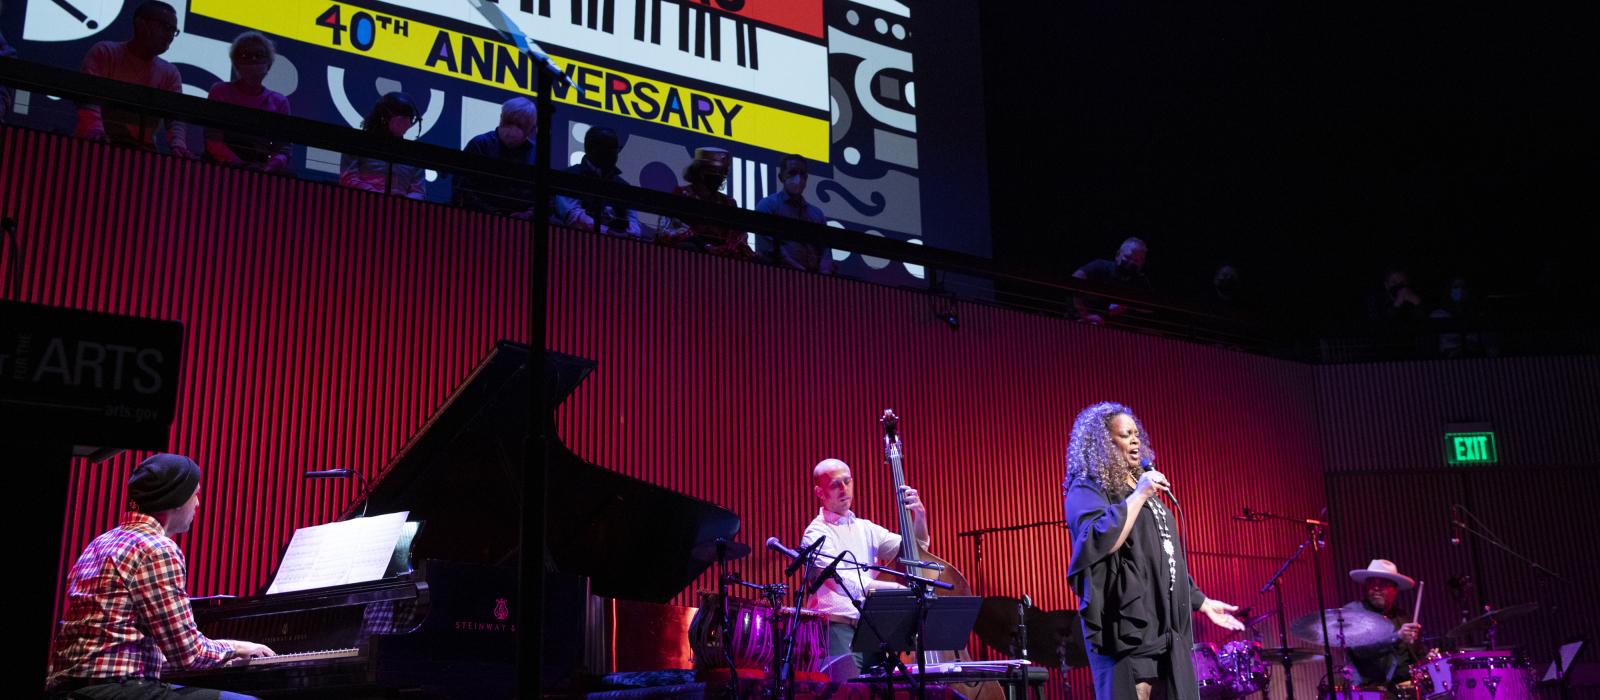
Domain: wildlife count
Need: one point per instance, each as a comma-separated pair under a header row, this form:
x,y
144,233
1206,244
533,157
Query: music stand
x,y
912,621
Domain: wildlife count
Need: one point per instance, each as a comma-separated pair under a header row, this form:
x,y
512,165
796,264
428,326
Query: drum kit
x,y
1465,673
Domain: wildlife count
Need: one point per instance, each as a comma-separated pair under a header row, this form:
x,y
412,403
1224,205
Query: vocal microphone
x,y
1149,465
1455,524
797,559
328,474
805,556
829,572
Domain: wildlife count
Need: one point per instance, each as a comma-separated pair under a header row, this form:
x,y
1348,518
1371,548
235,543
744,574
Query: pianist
x,y
126,613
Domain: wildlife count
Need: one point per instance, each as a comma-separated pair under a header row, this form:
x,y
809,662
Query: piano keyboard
x,y
323,655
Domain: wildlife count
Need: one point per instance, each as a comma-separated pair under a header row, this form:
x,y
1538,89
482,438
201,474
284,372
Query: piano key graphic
x,y
679,37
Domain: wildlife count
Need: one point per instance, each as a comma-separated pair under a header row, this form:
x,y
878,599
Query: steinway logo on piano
x,y
792,70
501,613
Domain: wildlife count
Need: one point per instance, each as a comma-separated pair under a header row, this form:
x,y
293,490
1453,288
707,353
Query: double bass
x,y
910,549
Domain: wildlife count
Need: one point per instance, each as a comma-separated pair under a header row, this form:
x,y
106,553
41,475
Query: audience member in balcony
x,y
511,142
601,147
252,54
1126,270
393,115
704,178
6,51
137,61
1457,314
790,201
1396,302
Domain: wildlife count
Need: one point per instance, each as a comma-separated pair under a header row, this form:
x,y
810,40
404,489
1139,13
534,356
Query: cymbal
x,y
707,551
1359,627
1054,637
1489,618
997,621
1297,655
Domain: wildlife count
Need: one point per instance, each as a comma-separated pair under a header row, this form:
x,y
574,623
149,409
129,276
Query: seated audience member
x,y
1396,302
601,147
137,61
704,178
393,115
6,51
1127,270
252,54
790,201
510,142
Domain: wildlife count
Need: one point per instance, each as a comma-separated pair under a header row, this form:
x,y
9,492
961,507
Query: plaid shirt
x,y
127,614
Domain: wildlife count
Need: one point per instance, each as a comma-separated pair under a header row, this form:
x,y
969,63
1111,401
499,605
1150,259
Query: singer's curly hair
x,y
1092,455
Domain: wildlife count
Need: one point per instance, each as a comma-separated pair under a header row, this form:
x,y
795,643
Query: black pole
x,y
1283,643
1322,608
530,565
1276,583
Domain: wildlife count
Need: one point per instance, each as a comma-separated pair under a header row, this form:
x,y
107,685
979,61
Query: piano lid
x,y
460,474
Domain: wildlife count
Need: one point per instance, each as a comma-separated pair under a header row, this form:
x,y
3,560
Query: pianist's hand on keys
x,y
248,650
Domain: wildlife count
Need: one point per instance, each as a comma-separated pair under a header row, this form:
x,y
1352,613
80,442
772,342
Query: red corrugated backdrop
x,y
323,325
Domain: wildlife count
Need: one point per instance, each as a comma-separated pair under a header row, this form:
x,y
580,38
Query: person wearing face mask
x,y
703,181
393,115
790,201
601,148
1127,270
252,54
511,142
138,61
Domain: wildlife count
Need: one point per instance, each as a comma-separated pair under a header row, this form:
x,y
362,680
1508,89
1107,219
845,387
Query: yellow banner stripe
x,y
412,44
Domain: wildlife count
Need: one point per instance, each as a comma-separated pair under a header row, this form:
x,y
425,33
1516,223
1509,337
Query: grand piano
x,y
445,627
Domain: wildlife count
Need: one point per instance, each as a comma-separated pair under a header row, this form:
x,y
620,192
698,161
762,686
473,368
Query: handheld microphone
x,y
1149,465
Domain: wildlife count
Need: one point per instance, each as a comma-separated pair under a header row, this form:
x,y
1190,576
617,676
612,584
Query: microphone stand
x,y
977,541
1314,531
1545,576
1283,625
922,589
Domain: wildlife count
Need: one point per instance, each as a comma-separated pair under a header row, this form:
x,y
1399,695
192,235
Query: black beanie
x,y
163,482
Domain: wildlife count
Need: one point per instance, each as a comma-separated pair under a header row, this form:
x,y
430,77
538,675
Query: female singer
x,y
1128,569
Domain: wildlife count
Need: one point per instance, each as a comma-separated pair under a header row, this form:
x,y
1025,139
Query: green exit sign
x,y
1470,448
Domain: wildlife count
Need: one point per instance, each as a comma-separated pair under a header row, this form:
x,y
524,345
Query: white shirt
x,y
867,542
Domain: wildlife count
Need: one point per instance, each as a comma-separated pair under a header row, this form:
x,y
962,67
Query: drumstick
x,y
1416,607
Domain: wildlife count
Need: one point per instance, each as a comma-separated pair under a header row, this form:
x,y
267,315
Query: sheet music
x,y
351,551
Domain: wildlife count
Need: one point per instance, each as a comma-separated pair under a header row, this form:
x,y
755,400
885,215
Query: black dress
x,y
1136,603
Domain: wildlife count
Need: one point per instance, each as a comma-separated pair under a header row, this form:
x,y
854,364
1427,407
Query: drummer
x,y
1387,663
